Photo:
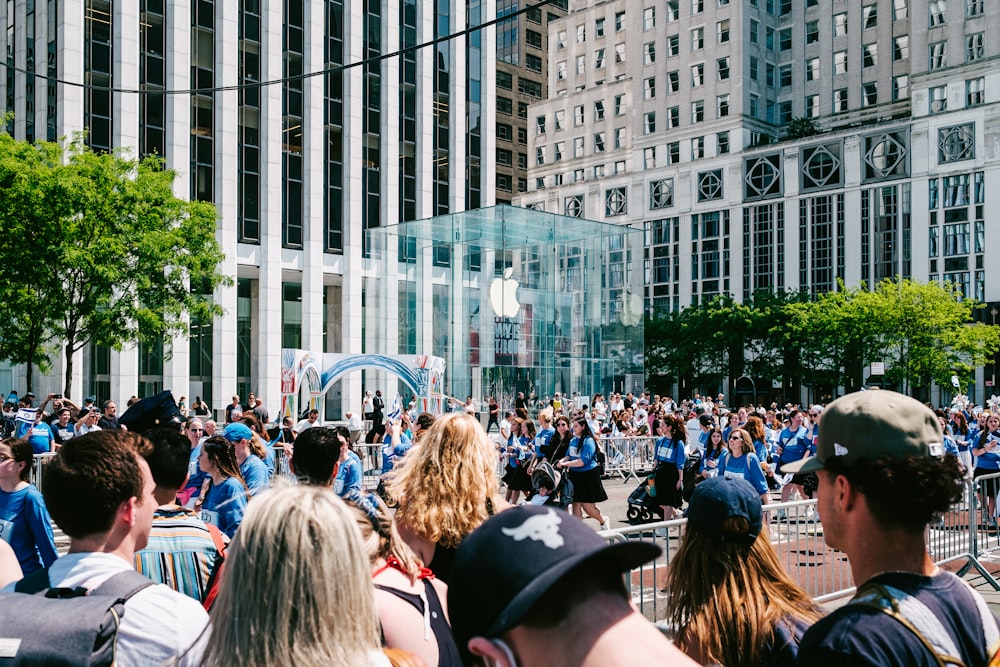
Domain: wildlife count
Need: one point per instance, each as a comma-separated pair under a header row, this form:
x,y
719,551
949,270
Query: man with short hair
x,y
314,459
555,595
883,477
210,427
234,410
109,419
99,491
354,426
63,428
181,550
260,412
307,423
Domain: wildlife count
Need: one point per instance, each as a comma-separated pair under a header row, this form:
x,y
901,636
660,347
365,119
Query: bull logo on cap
x,y
542,528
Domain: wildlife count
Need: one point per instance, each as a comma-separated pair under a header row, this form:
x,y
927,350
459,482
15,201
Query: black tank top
x,y
448,655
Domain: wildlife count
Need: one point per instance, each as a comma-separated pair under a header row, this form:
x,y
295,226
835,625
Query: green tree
x,y
120,258
799,128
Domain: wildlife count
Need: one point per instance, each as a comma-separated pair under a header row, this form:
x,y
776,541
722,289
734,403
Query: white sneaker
x,y
660,532
606,524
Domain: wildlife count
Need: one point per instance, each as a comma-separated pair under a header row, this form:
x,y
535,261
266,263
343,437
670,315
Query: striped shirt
x,y
180,552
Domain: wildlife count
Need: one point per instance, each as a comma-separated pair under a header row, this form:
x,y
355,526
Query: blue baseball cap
x,y
236,432
719,498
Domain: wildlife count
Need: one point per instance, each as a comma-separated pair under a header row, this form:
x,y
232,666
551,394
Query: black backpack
x,y
41,625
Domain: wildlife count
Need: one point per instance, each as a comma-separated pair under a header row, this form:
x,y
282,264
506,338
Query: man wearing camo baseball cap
x,y
883,477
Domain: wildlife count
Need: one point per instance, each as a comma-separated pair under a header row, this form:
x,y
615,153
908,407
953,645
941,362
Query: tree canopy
x,y
924,333
97,249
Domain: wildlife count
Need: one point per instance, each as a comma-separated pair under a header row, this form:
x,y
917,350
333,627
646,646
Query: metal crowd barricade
x,y
962,536
38,468
371,463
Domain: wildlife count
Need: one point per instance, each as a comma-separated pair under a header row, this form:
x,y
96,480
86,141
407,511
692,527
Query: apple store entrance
x,y
515,300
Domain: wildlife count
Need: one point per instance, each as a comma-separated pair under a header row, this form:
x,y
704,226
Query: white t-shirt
x,y
159,624
304,425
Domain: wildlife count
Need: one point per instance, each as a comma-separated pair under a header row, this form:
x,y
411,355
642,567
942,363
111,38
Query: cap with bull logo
x,y
505,566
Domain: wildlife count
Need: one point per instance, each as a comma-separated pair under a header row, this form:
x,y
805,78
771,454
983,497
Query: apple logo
x,y
503,295
632,308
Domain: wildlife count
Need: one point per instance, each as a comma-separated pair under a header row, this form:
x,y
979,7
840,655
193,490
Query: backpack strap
x,y
916,617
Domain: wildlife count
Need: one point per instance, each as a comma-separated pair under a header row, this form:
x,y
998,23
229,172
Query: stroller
x,y
642,505
559,485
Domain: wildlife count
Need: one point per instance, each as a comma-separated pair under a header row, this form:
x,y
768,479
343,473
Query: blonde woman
x,y
445,489
730,600
280,604
412,603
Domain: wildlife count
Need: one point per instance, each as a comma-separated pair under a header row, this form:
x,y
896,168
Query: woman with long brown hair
x,y
730,600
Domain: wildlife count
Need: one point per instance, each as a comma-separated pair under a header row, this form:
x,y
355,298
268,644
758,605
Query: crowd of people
x,y
251,568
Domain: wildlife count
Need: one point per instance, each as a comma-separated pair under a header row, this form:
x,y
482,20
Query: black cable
x,y
297,77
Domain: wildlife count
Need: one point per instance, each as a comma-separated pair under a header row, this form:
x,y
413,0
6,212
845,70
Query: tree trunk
x,y
69,369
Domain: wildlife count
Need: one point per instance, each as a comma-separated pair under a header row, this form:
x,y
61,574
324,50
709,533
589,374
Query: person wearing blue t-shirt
x,y
24,521
349,469
715,451
742,463
40,437
252,468
395,444
544,434
987,453
670,458
793,445
581,462
226,500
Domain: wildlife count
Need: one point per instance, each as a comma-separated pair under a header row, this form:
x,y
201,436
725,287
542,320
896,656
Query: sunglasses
x,y
735,437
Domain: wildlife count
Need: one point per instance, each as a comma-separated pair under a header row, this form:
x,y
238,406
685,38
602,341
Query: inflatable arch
x,y
424,374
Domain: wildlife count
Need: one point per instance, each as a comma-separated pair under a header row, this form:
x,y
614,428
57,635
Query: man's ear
x,y
484,648
126,510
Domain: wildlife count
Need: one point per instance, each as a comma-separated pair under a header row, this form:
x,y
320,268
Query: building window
x,y
558,150
975,92
673,81
649,18
869,55
698,75
505,106
505,80
710,185
599,27
649,88
938,98
661,194
619,53
697,111
522,110
673,152
956,143
973,8
533,38
504,132
753,68
504,183
581,33
754,29
619,138
869,93
722,31
762,177
974,49
578,147
615,202
529,87
812,106
599,142
697,148
785,40
673,45
649,53
578,175
539,155
619,21
812,72
673,10
599,59
599,110
649,122
723,68
900,87
561,70
619,105
885,156
821,167
573,206
840,62
722,142
900,48
869,17
649,157
561,39
840,100
581,66
697,6
840,24
937,55
533,62
900,11
722,106
697,39
936,12
812,32
673,117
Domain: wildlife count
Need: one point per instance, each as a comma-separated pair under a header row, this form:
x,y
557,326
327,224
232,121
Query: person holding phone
x,y
987,453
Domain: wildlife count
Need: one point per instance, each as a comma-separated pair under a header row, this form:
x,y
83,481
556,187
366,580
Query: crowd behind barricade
x,y
449,563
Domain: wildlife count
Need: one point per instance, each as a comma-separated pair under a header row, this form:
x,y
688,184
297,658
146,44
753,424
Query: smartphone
x,y
56,395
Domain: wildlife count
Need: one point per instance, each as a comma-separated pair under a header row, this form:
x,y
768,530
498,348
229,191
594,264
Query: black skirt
x,y
667,493
517,478
587,486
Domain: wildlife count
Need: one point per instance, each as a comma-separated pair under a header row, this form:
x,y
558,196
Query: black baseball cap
x,y
507,564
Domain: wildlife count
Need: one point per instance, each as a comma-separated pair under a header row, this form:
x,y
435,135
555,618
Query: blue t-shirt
x,y
542,439
254,473
41,438
760,449
794,445
224,505
24,525
348,476
668,451
990,459
712,456
586,453
745,467
269,459
390,454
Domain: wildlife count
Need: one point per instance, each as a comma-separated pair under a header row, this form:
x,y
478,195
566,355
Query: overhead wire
x,y
296,77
